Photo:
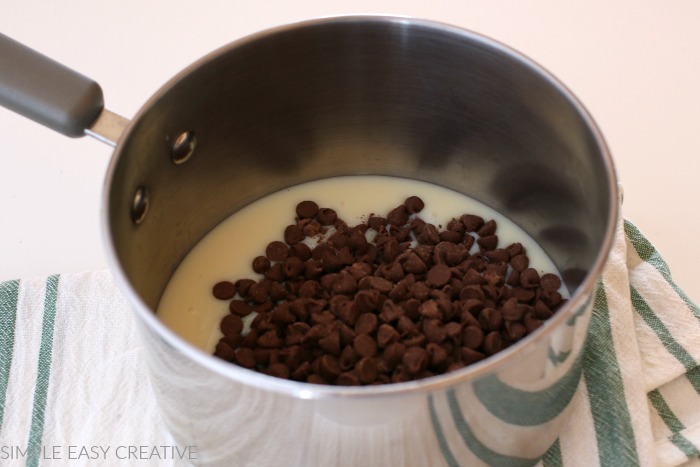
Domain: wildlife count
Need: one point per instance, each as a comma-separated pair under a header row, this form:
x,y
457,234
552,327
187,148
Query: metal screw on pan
x,y
139,205
183,147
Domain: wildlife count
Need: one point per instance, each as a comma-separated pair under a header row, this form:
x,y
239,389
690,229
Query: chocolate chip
x,y
292,267
278,370
380,284
451,236
542,311
231,325
277,251
359,270
472,337
488,229
234,341
511,310
550,282
519,262
402,290
225,351
439,275
434,330
310,227
415,360
364,345
306,209
224,290
388,248
470,356
326,216
513,278
430,310
386,334
391,311
394,272
398,216
348,378
345,284
472,223
348,358
280,315
366,370
366,323
490,319
400,375
393,355
414,204
515,249
269,340
449,253
274,273
488,242
437,356
405,325
529,278
246,358
329,367
468,242
366,300
293,234
492,343
523,295
498,255
412,264
239,308
429,235
300,250
515,330
242,286
316,379
377,222
551,299
258,292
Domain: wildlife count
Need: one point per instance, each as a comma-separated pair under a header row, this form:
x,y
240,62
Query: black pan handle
x,y
45,91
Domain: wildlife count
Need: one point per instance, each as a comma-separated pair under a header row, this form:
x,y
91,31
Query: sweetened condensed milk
x,y
227,252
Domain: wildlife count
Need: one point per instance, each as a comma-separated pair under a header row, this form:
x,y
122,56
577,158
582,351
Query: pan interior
x,y
360,96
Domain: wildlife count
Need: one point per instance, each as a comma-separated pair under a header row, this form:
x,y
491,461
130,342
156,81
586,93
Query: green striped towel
x,y
74,390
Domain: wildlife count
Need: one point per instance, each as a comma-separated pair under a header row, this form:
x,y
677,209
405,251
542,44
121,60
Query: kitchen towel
x,y
74,390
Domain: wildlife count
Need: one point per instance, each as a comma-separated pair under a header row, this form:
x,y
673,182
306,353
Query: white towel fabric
x,y
74,390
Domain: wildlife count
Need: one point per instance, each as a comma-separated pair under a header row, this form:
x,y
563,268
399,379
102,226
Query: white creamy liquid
x,y
227,252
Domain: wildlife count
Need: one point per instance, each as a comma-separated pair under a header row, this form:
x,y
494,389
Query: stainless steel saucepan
x,y
323,98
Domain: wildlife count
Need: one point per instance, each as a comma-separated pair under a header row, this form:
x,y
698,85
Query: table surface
x,y
634,64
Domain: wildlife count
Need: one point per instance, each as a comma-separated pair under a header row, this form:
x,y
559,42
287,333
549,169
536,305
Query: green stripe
x,y
483,452
42,379
440,434
529,408
649,254
665,411
661,331
9,292
684,445
673,424
693,377
611,418
552,458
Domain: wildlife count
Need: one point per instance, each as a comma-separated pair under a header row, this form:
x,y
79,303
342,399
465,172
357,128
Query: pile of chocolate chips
x,y
411,302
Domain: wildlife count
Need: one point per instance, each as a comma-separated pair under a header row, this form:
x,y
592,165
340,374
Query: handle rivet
x,y
183,147
139,205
